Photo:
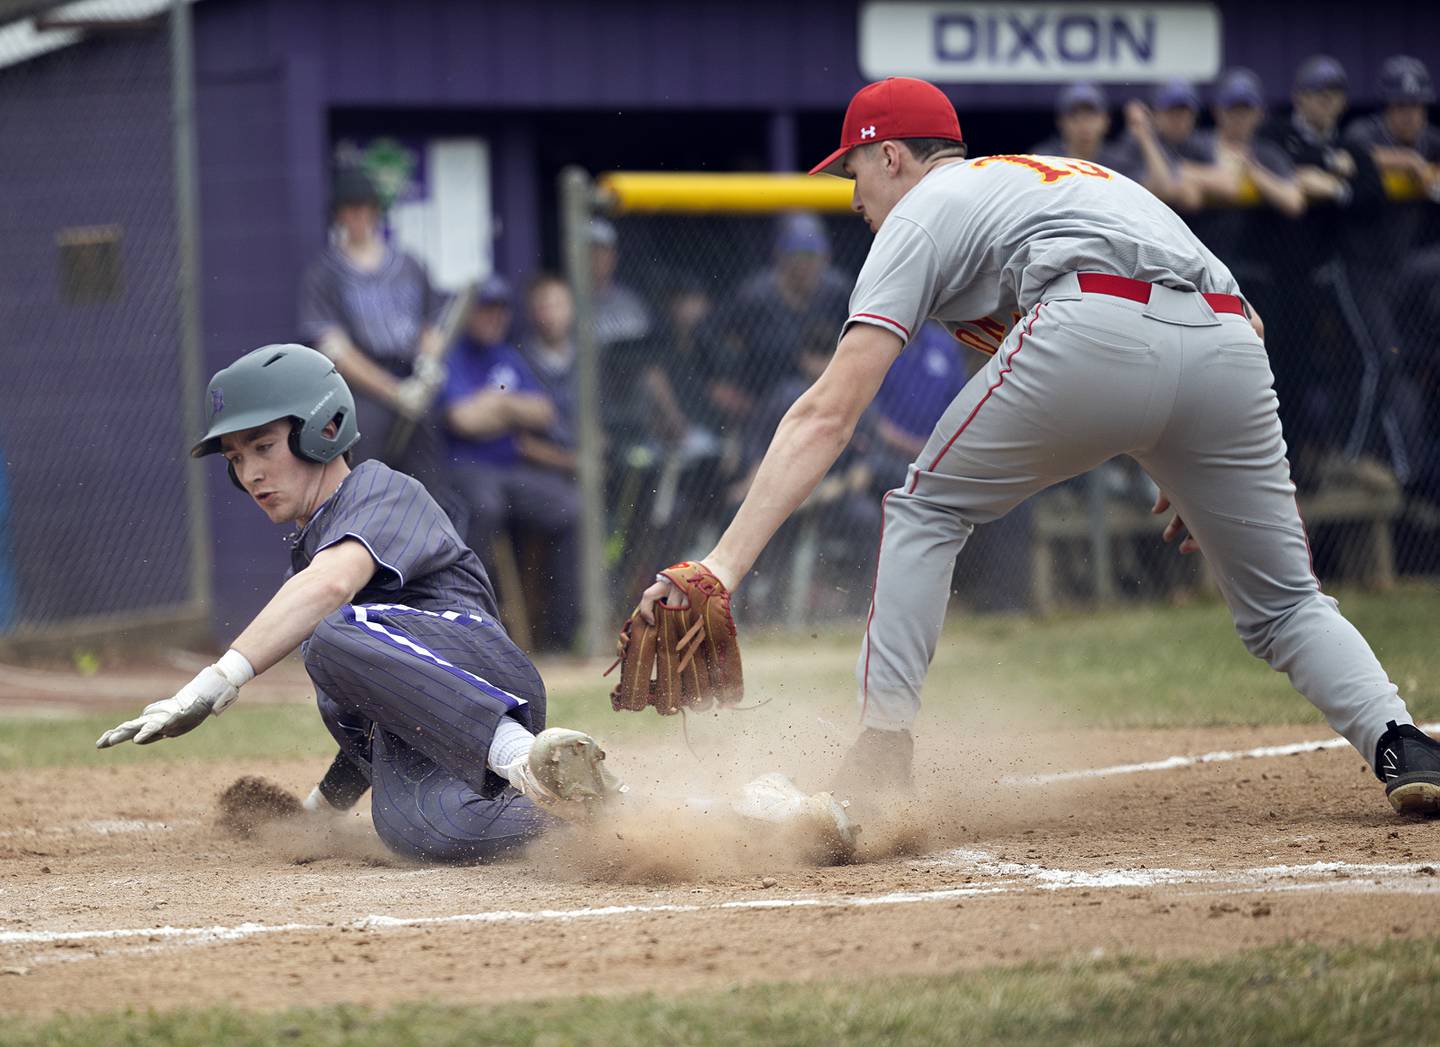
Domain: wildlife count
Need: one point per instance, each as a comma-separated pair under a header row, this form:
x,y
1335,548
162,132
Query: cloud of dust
x,y
675,824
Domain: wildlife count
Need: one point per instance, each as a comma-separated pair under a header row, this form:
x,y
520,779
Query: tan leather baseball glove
x,y
690,657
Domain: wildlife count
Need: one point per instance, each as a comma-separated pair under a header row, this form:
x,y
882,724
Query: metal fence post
x,y
187,284
576,198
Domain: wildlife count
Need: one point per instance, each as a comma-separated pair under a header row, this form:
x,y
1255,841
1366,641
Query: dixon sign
x,y
1039,43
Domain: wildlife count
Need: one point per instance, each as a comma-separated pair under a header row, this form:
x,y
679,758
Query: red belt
x,y
1139,291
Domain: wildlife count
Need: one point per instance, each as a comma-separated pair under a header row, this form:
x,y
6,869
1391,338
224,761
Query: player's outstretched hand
x,y
664,590
212,690
1175,528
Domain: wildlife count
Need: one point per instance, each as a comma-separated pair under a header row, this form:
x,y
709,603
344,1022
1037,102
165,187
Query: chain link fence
x,y
709,326
96,520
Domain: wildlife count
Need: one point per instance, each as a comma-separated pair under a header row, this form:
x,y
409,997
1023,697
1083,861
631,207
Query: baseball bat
x,y
451,322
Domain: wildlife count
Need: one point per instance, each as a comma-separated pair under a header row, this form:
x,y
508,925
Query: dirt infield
x,y
118,890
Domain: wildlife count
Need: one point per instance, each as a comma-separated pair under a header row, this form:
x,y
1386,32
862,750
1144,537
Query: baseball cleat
x,y
879,764
565,775
1407,760
820,824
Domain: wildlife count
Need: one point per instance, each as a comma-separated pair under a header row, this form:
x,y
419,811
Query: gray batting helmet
x,y
282,381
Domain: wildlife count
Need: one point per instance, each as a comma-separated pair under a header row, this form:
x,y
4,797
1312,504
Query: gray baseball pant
x,y
1188,394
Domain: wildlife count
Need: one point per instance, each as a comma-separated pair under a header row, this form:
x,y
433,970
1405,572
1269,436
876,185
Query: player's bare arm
x,y
490,412
331,581
810,437
356,368
1283,194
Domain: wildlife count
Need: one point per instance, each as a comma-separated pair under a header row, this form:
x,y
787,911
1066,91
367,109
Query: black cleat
x,y
1407,760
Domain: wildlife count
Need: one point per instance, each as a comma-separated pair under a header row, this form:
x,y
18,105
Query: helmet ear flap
x,y
295,426
230,471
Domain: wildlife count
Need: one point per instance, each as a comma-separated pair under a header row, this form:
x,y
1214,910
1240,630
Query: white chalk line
x,y
1019,877
100,827
1171,763
1004,878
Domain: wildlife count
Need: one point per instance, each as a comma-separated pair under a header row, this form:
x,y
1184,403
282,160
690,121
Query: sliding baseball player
x,y
435,709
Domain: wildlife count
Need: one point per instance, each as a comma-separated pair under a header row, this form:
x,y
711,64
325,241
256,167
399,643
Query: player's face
x,y
552,311
280,483
602,263
358,222
1175,124
879,184
1321,109
1406,122
1083,129
1238,121
489,323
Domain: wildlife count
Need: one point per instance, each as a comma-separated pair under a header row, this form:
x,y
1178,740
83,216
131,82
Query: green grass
x,y
1289,995
1149,666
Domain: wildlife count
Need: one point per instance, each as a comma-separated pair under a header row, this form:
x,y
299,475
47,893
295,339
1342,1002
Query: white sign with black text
x,y
1039,43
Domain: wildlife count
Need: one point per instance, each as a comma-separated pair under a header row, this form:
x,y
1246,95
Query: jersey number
x,y
1048,171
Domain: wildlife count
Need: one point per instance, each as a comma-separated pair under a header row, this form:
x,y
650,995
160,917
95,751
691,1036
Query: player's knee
x,y
1262,631
331,636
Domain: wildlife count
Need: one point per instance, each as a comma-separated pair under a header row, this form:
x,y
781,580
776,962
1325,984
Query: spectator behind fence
x,y
679,374
847,513
549,349
1231,160
773,312
491,401
1400,138
1160,143
1356,276
621,315
1082,120
371,309
1402,142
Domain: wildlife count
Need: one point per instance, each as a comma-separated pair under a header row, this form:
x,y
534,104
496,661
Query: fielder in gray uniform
x,y
435,709
1113,331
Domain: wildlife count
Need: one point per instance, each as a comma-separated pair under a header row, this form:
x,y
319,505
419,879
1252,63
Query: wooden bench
x,y
1061,516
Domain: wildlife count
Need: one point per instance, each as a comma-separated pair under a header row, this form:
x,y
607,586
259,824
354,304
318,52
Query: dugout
x,y
282,86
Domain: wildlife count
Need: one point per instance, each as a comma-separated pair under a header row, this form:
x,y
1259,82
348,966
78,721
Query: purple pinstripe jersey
x,y
423,562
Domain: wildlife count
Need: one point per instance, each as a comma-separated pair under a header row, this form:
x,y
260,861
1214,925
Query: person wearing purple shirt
x,y
491,401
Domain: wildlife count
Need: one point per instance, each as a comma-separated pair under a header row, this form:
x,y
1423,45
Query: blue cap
x,y
802,233
1175,94
1405,80
1239,87
1073,96
1319,72
493,290
603,232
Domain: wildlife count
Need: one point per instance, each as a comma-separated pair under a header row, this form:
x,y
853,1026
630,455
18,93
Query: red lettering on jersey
x,y
1085,167
1048,173
990,326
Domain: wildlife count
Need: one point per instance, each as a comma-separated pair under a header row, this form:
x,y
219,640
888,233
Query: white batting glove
x,y
413,397
211,692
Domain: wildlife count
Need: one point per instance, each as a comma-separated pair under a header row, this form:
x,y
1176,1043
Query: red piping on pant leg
x,y
1006,369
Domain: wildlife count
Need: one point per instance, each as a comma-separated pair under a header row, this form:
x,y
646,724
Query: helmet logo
x,y
217,401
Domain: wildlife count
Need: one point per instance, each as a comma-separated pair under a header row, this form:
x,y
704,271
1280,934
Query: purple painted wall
x,y
89,401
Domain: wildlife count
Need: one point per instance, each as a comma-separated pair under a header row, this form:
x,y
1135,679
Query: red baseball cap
x,y
896,107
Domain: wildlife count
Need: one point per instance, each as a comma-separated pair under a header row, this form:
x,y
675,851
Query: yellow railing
x,y
636,192
653,191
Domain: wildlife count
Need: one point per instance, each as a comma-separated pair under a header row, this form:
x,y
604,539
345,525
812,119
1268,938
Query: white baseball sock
x,y
510,747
